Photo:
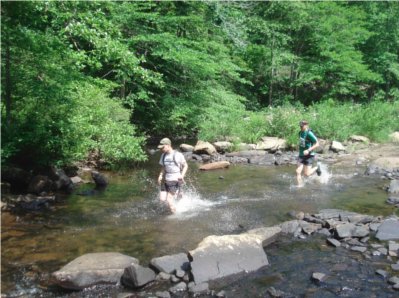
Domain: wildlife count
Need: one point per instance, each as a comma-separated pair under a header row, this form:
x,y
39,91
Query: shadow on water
x,y
128,218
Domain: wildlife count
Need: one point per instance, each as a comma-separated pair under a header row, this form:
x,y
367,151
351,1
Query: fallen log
x,y
215,165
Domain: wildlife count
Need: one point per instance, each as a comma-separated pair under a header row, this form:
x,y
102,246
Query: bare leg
x,y
162,195
309,171
298,174
171,203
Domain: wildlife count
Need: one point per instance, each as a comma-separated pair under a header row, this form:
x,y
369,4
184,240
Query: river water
x,y
128,218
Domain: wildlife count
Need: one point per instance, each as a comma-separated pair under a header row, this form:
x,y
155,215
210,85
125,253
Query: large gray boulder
x,y
136,276
346,230
93,269
221,256
337,147
204,148
39,184
171,263
271,144
61,180
223,146
388,230
186,148
99,179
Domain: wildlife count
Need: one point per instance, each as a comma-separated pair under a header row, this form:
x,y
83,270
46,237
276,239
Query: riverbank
x,y
128,218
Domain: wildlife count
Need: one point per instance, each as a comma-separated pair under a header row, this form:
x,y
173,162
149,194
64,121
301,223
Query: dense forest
x,y
85,76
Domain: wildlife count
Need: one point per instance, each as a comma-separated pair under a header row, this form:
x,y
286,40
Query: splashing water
x,y
325,176
191,204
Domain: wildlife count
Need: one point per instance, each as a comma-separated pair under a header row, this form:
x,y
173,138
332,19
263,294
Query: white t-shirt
x,y
173,171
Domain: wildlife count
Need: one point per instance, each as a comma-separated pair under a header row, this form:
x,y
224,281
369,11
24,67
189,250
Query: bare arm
x,y
161,175
315,145
185,168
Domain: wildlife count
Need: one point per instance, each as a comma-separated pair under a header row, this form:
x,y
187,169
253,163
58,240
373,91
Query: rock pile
x,y
218,257
355,232
214,258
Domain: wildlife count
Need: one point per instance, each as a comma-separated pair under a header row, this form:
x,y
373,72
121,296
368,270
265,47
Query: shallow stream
x,y
128,218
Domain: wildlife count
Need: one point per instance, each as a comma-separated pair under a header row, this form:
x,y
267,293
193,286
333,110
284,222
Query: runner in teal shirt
x,y
307,143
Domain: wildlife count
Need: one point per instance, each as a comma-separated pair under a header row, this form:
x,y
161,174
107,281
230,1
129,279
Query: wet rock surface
x,y
93,269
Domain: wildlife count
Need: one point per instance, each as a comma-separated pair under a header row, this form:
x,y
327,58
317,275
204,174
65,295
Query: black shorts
x,y
306,160
171,186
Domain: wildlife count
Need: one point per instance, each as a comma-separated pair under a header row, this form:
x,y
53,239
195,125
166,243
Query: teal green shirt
x,y
306,140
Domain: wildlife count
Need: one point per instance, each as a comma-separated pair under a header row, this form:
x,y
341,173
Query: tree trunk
x,y
8,83
271,73
123,89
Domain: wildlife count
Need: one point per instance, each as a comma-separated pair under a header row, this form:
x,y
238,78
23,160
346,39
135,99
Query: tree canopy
x,y
81,76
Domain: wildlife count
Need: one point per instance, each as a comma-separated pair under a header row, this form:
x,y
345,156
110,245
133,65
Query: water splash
x,y
325,176
190,204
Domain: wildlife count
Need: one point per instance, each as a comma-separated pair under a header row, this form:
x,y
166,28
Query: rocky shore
x,y
190,274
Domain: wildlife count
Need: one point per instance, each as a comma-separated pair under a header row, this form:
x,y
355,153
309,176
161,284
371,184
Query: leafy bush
x,y
329,119
222,117
102,124
65,129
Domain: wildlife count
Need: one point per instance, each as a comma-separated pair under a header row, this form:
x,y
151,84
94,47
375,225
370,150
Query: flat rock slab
x,y
93,269
171,263
330,214
221,256
246,153
388,230
266,235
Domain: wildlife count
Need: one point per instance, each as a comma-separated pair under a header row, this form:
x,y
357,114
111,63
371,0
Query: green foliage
x,y
102,124
91,75
222,118
49,117
329,120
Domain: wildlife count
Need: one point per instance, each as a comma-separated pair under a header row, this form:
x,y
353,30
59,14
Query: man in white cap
x,y
171,177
